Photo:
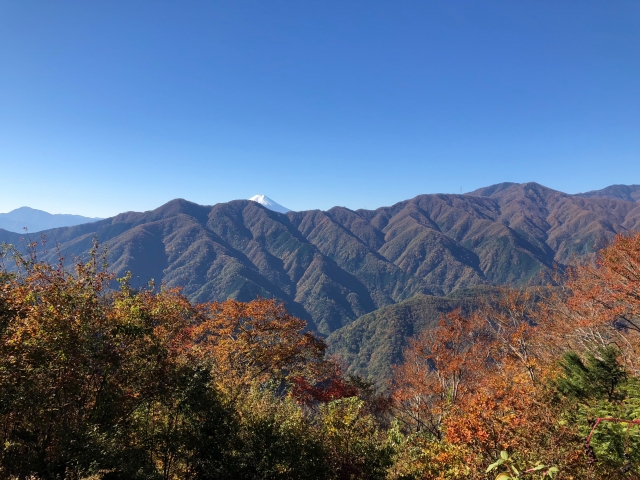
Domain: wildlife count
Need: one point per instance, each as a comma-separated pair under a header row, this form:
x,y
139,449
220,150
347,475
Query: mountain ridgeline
x,y
331,267
371,344
37,220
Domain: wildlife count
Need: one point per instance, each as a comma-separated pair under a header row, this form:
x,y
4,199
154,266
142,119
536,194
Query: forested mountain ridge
x,y
331,267
630,193
371,344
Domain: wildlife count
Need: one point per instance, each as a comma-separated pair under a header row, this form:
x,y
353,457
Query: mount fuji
x,y
268,203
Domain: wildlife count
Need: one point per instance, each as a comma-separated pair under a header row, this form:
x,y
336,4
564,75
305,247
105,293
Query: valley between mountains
x,y
334,267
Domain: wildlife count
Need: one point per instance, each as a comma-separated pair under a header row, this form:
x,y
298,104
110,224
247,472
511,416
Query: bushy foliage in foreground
x,y
530,388
109,383
142,384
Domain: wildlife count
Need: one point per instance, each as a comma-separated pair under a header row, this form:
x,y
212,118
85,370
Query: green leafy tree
x,y
356,447
602,389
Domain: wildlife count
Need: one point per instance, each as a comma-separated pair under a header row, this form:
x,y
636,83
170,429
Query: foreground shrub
x,y
127,384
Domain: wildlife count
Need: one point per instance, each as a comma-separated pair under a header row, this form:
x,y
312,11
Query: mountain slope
x,y
331,267
370,345
37,220
630,193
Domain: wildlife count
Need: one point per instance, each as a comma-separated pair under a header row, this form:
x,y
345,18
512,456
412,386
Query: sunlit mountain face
x,y
331,267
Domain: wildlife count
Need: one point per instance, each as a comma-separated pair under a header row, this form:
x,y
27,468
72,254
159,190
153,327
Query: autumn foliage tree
x,y
441,367
604,303
99,382
472,382
255,342
119,383
517,399
85,376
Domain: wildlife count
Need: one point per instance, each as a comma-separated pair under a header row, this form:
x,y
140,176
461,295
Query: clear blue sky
x,y
108,106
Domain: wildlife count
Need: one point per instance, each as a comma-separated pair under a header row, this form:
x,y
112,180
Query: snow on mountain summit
x,y
268,203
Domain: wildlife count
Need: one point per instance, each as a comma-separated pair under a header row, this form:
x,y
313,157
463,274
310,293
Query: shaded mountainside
x,y
331,267
371,344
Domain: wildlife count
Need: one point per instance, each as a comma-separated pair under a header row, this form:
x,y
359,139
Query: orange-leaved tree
x,y
603,306
440,367
139,383
256,342
478,385
83,369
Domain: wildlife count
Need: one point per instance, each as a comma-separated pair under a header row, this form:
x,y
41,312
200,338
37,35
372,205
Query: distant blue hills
x,y
37,220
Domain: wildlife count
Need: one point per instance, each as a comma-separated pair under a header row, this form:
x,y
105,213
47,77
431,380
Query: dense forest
x,y
331,268
140,383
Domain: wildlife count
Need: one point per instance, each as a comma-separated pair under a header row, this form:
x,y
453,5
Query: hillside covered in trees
x,y
371,344
331,267
141,383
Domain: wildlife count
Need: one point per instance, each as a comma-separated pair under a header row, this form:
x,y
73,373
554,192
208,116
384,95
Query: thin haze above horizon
x,y
113,106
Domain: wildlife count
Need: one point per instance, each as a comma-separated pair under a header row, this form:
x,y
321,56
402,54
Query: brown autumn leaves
x,y
97,382
485,383
116,383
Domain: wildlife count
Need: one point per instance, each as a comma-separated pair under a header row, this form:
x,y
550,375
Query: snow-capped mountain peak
x,y
268,203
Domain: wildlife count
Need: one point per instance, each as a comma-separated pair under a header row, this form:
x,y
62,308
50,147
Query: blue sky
x,y
123,105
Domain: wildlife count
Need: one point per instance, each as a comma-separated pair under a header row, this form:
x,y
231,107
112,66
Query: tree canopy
x,y
100,380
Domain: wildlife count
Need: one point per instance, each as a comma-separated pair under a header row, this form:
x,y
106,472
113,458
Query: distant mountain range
x,y
331,267
37,220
